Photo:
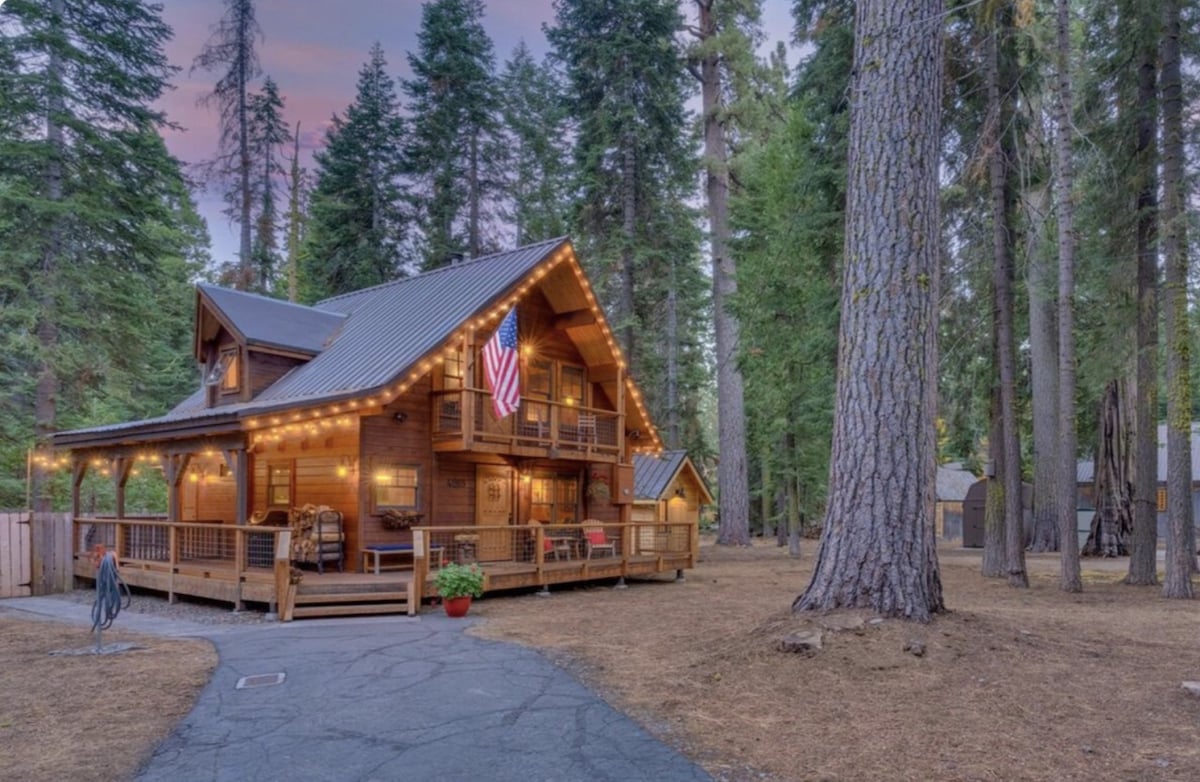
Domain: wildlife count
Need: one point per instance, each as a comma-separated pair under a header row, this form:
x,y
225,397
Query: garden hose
x,y
108,594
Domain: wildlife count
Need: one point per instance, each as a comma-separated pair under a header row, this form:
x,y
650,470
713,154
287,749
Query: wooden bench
x,y
379,551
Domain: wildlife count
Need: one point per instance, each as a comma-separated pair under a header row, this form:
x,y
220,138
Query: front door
x,y
494,508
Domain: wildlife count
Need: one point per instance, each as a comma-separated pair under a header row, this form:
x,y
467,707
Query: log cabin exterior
x,y
374,405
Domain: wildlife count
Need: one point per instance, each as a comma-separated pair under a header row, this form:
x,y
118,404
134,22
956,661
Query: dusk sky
x,y
313,50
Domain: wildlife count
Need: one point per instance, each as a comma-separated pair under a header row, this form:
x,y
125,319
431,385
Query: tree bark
x,y
1180,551
1113,479
878,548
242,68
992,565
1071,579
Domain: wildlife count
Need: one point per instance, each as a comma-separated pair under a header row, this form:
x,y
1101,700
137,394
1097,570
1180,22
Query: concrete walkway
x,y
388,699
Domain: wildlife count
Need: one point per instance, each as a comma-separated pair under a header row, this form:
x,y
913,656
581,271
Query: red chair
x,y
596,540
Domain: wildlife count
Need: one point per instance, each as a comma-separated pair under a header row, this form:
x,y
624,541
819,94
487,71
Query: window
x,y
231,378
554,499
397,486
572,385
1162,500
279,484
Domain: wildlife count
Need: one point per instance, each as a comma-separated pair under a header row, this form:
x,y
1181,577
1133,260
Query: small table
x,y
380,550
563,544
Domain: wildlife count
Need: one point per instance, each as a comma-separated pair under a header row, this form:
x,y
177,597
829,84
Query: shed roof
x,y
952,483
653,475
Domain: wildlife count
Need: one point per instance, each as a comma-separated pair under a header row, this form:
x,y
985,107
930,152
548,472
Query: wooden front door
x,y
494,508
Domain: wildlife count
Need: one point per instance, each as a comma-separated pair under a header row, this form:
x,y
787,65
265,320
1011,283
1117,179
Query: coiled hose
x,y
109,586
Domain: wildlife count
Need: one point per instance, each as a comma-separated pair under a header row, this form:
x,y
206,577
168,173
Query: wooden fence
x,y
16,560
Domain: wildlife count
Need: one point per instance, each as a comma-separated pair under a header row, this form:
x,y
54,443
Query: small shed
x,y
975,507
668,488
953,483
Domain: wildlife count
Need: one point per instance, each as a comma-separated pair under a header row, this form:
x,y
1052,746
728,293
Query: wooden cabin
x,y
355,442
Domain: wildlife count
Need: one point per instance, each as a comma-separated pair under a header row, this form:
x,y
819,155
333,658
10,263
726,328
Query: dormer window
x,y
231,379
226,372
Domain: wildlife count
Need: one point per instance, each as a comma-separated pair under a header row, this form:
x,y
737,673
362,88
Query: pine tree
x,y
101,207
297,222
268,136
635,170
356,221
454,156
230,51
534,120
877,548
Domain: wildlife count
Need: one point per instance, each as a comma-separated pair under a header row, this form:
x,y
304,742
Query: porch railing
x,y
543,549
536,423
151,540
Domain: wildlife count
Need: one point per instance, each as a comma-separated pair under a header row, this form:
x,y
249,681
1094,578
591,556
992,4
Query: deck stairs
x,y
353,595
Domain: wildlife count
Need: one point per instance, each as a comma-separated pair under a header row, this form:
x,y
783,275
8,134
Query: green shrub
x,y
459,581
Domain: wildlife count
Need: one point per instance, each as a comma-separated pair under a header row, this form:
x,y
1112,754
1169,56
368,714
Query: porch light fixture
x,y
400,416
680,492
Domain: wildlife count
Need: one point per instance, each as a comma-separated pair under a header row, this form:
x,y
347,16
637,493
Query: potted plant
x,y
597,488
457,584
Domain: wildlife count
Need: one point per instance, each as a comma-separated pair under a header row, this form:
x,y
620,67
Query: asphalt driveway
x,y
390,698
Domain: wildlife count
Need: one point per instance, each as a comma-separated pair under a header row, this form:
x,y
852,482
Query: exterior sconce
x,y
400,417
680,492
344,467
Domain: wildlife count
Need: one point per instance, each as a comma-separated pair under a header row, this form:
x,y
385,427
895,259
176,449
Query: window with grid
x,y
554,499
452,368
231,379
279,484
1162,500
398,487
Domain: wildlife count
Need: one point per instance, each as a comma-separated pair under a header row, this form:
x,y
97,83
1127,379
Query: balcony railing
x,y
465,416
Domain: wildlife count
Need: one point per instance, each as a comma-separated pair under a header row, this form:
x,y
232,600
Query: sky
x,y
313,50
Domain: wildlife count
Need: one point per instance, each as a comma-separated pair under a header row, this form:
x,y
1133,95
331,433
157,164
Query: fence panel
x,y
16,561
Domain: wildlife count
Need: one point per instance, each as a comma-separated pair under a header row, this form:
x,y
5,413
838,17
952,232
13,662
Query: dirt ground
x,y
1012,684
89,717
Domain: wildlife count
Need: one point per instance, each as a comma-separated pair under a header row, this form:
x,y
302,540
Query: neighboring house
x,y
953,483
1086,473
374,406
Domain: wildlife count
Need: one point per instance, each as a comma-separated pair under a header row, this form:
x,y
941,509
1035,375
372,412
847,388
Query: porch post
x,y
237,460
622,416
78,470
174,468
121,467
468,394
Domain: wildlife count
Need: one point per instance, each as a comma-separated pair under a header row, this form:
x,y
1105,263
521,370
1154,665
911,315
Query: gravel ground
x,y
185,608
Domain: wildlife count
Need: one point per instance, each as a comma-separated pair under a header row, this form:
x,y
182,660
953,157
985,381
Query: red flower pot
x,y
457,606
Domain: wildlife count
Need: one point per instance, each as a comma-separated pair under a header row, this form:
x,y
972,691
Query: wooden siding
x,y
266,368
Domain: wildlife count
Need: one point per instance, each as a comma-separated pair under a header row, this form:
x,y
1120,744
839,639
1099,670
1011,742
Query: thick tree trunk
x,y
877,548
673,437
1071,579
994,558
1180,551
766,488
731,414
1143,565
1043,370
1003,313
293,256
1113,479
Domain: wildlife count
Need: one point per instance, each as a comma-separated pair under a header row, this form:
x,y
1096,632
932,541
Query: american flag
x,y
501,367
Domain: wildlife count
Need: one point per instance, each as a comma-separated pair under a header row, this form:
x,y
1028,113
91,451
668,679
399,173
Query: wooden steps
x,y
351,596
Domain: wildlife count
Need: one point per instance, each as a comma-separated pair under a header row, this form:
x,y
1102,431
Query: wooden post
x,y
420,568
121,467
467,398
237,459
78,470
285,590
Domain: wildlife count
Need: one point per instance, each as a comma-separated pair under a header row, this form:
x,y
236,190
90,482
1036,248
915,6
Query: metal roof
x,y
261,320
952,484
653,474
383,331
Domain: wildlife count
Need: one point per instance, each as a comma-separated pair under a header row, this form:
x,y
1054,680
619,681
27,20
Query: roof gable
x,y
263,321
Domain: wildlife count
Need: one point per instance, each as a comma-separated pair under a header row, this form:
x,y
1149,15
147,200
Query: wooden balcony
x,y
463,421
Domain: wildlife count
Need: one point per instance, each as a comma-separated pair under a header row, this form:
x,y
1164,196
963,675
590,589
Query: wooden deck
x,y
238,565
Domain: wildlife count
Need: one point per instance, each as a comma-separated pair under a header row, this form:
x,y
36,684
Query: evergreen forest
x,y
702,175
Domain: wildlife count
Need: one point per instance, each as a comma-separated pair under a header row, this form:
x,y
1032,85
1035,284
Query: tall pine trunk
x,y
877,547
1071,579
1043,371
1113,479
1002,282
1143,554
734,499
245,258
1180,551
293,238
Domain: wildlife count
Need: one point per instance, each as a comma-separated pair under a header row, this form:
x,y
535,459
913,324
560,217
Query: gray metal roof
x,y
952,484
383,331
653,474
266,321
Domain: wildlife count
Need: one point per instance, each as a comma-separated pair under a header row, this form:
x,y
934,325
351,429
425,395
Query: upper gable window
x,y
232,371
